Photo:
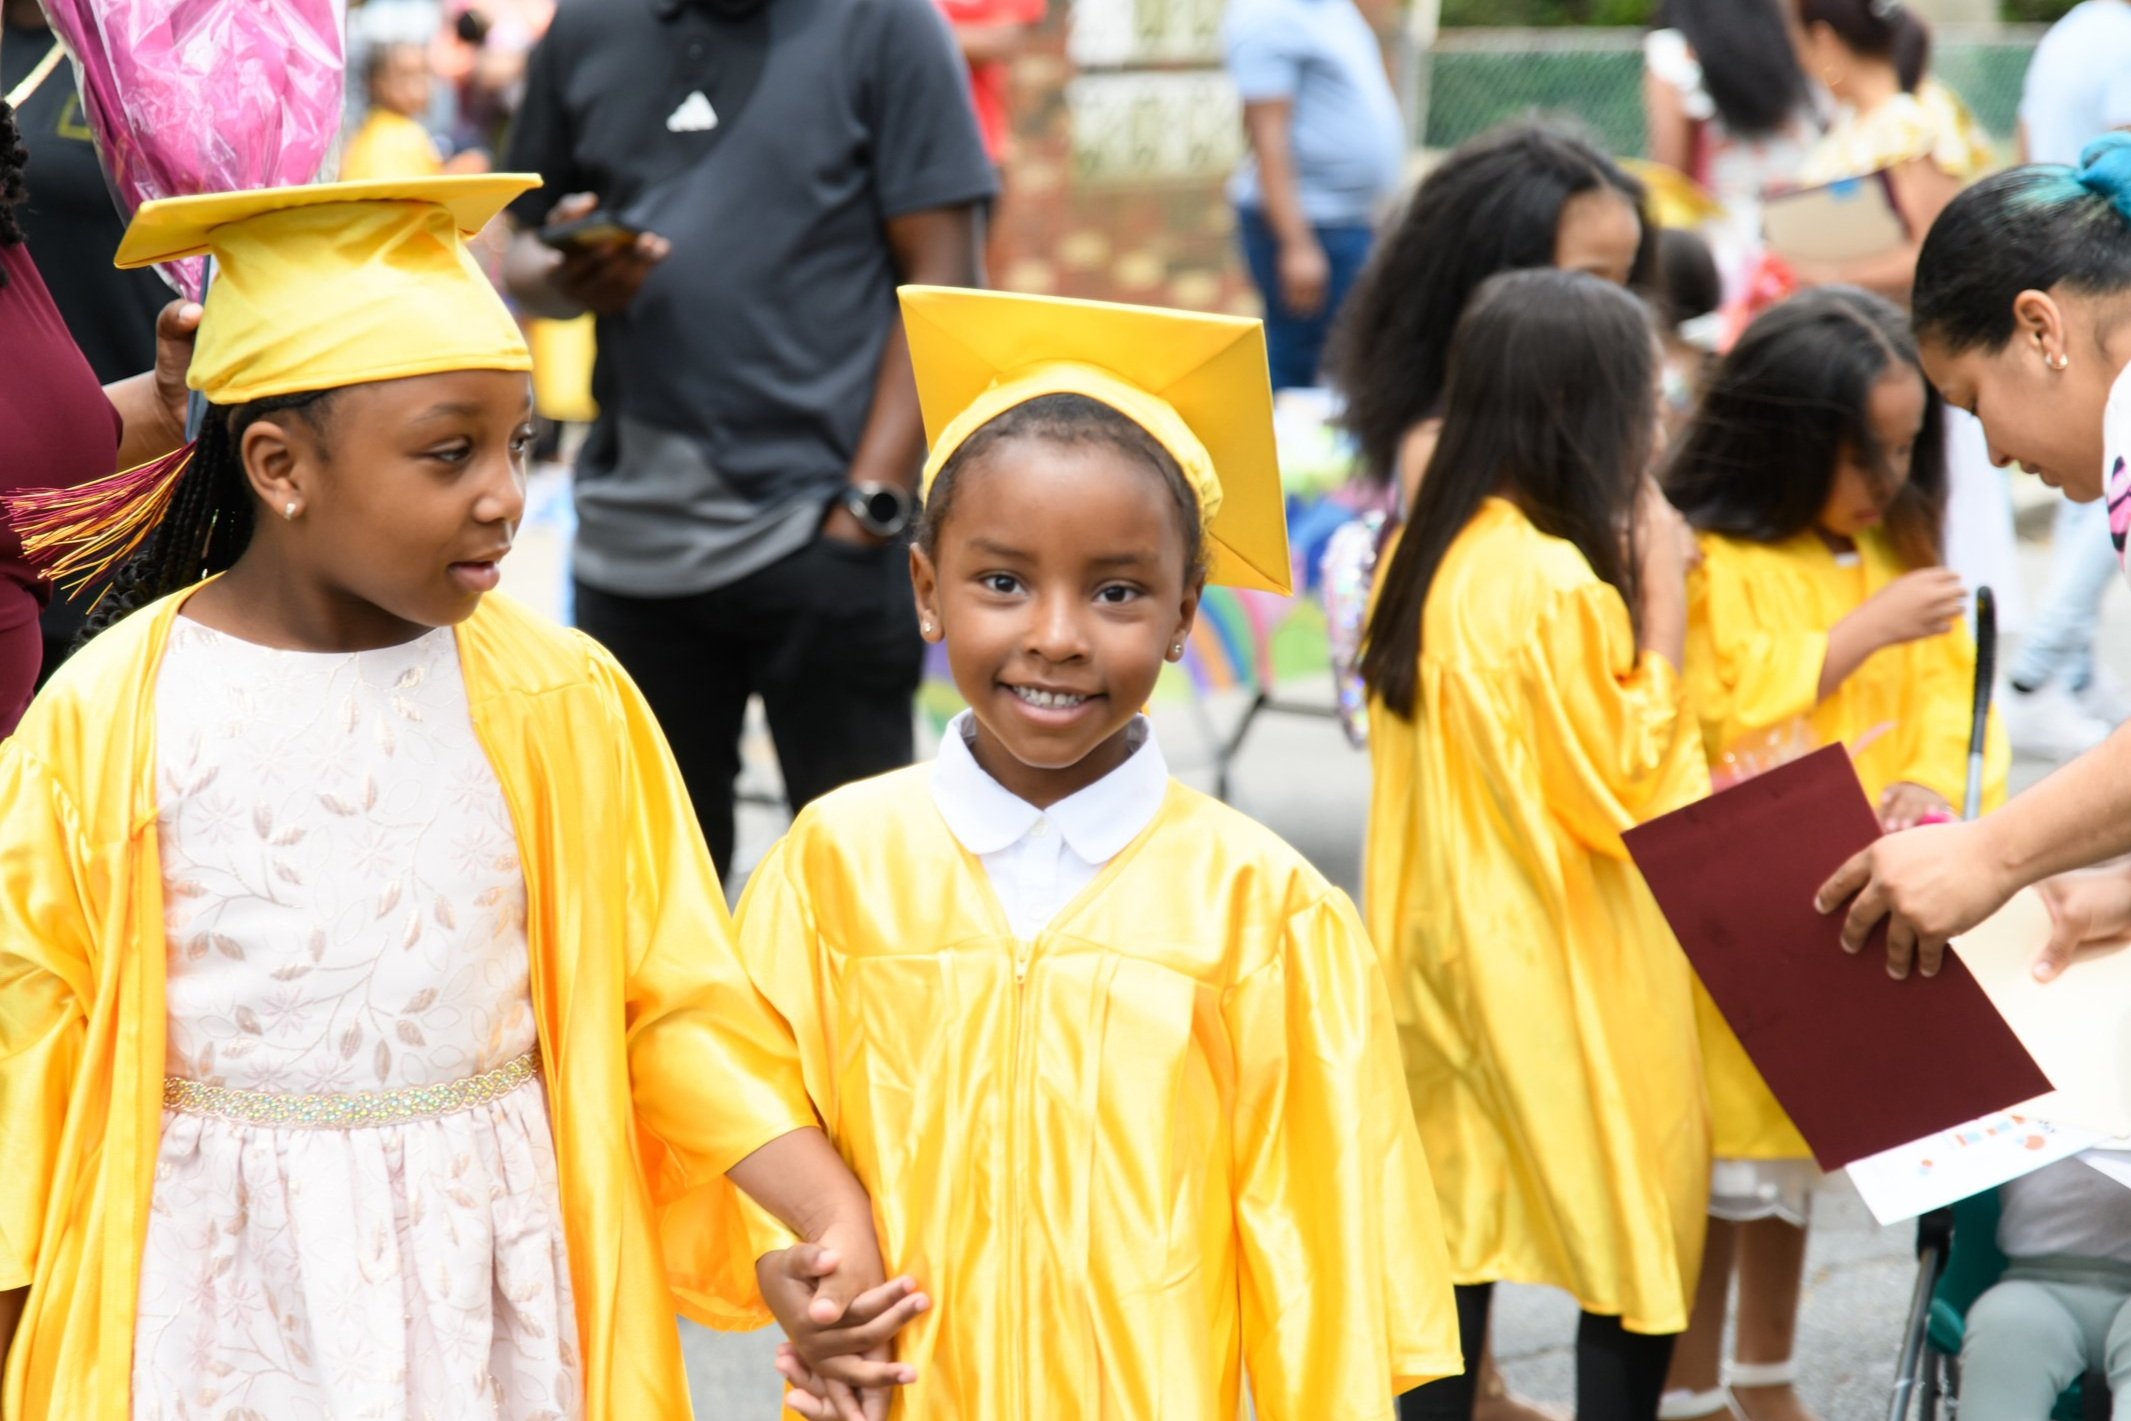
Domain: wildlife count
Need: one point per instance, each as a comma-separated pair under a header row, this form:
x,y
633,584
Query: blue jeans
x,y
1295,344
2059,645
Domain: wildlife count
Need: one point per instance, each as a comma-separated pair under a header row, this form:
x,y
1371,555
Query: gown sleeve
x,y
45,982
713,1070
1345,1275
1747,671
1614,742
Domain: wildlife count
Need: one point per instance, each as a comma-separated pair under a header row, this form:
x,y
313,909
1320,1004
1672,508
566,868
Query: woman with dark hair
x,y
58,425
1524,195
1526,708
1726,103
1873,56
2023,318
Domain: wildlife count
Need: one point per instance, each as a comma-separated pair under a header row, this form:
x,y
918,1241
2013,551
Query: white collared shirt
x,y
1038,860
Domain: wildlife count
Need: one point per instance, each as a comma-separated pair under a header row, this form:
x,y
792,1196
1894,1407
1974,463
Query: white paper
x,y
2078,1027
2116,1163
1926,1174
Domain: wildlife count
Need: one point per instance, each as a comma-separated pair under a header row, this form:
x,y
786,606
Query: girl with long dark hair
x,y
1526,708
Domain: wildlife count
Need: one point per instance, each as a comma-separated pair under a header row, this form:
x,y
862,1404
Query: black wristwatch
x,y
881,509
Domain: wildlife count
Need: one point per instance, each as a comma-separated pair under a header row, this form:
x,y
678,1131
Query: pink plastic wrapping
x,y
193,96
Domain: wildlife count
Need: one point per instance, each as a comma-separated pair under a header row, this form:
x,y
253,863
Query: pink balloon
x,y
193,96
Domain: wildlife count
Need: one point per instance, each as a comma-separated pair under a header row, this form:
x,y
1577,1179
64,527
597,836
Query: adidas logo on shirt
x,y
695,115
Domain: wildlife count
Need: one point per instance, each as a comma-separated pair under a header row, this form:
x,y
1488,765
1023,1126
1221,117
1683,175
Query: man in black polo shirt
x,y
743,497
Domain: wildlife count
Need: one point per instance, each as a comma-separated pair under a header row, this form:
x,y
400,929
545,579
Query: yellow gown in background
x,y
1544,1006
1161,1143
1759,615
663,1067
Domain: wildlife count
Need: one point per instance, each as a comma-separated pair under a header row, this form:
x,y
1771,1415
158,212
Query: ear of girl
x,y
1523,658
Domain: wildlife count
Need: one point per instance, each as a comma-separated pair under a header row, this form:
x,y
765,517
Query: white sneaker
x,y
2104,698
2050,724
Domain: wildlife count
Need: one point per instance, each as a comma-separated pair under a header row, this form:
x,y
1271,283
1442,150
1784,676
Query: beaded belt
x,y
341,1112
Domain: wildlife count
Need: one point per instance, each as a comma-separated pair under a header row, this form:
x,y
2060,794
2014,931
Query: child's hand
x,y
1916,605
1905,805
809,1394
838,1332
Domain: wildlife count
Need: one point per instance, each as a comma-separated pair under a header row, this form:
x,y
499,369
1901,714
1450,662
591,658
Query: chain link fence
x,y
1474,79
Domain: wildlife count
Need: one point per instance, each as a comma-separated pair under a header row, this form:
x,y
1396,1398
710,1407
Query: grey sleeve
x,y
927,150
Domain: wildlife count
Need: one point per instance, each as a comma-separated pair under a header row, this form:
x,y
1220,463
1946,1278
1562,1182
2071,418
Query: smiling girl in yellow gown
x,y
1115,1063
1526,709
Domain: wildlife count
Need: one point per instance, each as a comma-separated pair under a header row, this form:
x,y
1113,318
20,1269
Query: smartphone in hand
x,y
593,230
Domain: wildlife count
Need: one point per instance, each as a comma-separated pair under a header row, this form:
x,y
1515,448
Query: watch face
x,y
884,507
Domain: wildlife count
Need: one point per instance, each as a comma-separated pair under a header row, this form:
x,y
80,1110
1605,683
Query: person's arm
x,y
1914,606
1921,191
935,248
991,41
151,405
1932,884
603,279
1305,272
1671,130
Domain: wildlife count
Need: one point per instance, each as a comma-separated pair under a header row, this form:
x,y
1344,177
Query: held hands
x,y
840,1318
1930,884
1905,806
1305,277
604,279
1914,606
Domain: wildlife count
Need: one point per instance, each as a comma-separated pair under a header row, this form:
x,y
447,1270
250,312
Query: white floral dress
x,y
345,913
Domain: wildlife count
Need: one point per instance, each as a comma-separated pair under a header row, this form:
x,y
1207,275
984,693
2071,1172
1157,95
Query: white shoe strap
x,y
1759,1373
1694,1405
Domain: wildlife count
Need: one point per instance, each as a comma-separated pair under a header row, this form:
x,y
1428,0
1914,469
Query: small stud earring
x,y
925,627
288,511
2058,361
1177,649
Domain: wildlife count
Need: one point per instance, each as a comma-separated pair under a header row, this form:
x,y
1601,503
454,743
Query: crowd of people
x,y
375,1038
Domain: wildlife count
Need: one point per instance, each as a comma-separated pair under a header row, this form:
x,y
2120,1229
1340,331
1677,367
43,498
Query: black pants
x,y
827,637
1619,1374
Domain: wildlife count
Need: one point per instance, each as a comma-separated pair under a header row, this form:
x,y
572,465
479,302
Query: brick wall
x,y
1125,130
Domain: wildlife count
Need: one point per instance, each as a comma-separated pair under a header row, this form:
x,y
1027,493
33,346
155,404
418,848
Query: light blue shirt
x,y
2079,82
1349,139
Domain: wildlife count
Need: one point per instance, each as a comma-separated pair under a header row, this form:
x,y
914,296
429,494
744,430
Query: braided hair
x,y
211,515
13,158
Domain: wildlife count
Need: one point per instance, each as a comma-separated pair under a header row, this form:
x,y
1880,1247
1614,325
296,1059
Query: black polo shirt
x,y
770,151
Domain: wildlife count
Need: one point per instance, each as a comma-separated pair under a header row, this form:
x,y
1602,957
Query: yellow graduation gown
x,y
1759,615
1544,1006
1164,1140
664,1067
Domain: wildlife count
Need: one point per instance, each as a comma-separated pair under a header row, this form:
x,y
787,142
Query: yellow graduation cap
x,y
314,288
1676,200
1199,384
337,283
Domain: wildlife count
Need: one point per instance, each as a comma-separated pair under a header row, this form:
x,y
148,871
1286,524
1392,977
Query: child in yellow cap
x,y
1115,1063
372,1039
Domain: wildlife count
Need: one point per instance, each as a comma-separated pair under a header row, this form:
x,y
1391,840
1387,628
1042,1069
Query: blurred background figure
x,y
1727,105
392,143
70,221
2061,703
990,34
1327,150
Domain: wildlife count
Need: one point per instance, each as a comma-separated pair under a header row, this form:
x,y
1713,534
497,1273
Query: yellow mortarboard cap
x,y
1199,384
337,283
1676,200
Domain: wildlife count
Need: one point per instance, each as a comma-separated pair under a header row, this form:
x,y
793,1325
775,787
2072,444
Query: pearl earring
x,y
925,627
288,511
1177,649
2058,361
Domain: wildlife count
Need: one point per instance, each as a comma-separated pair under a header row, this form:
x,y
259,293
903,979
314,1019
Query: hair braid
x,y
13,158
210,518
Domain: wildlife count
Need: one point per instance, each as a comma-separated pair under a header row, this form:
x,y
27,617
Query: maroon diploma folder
x,y
1859,1061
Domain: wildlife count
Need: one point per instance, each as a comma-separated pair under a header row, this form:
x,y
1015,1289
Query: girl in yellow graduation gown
x,y
309,1104
1526,708
1116,1064
1814,475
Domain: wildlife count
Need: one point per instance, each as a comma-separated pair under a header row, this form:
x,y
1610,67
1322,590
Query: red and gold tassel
x,y
74,536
